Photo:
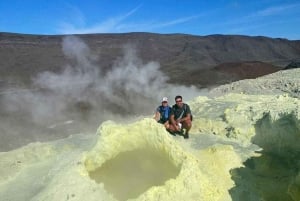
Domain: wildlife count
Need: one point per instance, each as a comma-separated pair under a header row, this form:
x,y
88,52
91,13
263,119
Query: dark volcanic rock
x,y
293,64
179,55
247,70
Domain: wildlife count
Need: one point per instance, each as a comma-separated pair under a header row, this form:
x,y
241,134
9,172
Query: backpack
x,y
185,105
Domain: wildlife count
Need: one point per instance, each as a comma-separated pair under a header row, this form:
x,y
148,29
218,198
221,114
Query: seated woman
x,y
162,113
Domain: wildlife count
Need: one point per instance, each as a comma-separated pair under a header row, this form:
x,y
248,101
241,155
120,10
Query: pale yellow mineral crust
x,y
241,146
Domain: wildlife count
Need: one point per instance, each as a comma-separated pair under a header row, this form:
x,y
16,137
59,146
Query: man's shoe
x,y
171,132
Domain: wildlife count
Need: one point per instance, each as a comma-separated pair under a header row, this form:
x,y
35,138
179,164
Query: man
x,y
180,118
162,113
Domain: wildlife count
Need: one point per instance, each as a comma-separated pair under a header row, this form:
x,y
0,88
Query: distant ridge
x,y
180,55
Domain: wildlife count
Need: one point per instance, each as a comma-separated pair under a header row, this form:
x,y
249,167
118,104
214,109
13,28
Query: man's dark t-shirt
x,y
180,112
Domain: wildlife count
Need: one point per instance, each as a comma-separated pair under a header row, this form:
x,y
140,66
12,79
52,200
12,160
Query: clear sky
x,y
272,18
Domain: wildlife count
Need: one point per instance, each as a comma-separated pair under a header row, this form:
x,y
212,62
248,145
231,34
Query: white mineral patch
x,y
241,147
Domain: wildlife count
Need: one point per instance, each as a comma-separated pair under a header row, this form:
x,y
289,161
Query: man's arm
x,y
187,117
172,120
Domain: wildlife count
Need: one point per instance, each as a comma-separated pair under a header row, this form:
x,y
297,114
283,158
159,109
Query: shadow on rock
x,y
272,176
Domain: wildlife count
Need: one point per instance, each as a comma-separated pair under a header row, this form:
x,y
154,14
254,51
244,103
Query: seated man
x,y
162,113
180,118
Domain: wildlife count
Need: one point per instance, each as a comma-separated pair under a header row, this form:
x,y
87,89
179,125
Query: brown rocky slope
x,y
206,59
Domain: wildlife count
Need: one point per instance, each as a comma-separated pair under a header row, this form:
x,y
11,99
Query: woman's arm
x,y
157,116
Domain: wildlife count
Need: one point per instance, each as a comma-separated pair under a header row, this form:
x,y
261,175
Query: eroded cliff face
x,y
241,147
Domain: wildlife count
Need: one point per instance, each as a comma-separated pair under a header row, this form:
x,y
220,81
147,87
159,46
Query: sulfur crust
x,y
230,121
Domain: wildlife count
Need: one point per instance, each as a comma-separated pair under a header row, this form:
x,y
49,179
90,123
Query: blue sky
x,y
271,18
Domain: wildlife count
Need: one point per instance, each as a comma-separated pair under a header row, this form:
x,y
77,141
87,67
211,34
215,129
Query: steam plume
x,y
82,93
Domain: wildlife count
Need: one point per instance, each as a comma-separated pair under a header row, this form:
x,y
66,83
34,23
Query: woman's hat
x,y
164,99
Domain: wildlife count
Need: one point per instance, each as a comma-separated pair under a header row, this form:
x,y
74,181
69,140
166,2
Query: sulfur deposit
x,y
243,146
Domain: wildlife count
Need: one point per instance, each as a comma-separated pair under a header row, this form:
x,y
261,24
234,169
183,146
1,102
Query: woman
x,y
162,113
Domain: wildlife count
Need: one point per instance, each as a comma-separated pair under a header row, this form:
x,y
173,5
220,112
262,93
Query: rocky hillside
x,y
186,59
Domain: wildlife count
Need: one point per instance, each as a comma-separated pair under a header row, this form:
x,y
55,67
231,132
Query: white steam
x,y
85,94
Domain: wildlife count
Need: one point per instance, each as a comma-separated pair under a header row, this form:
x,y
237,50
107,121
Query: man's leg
x,y
187,125
173,129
